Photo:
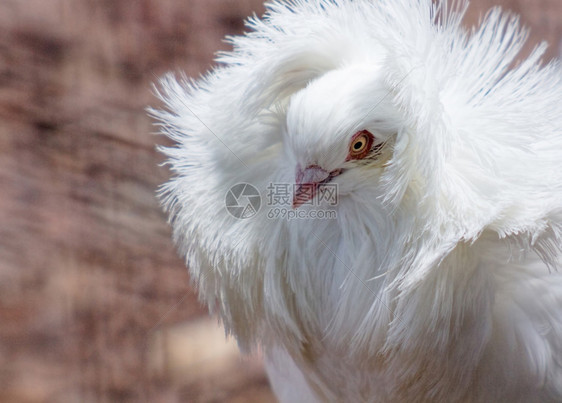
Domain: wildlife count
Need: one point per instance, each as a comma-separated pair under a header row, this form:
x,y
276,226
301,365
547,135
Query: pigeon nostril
x,y
311,174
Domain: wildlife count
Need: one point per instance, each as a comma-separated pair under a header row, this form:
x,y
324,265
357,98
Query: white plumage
x,y
438,281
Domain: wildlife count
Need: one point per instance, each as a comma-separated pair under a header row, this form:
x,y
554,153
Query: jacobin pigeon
x,y
371,194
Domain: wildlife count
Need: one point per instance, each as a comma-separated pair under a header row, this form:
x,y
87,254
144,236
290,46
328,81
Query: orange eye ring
x,y
360,145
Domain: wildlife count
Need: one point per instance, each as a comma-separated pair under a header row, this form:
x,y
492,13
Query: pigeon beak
x,y
307,182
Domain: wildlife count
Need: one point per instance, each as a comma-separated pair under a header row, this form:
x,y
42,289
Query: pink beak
x,y
307,182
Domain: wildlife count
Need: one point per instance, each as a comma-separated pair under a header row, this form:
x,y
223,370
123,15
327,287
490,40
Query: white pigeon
x,y
371,194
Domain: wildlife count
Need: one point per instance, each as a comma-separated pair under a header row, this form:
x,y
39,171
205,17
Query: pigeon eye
x,y
360,145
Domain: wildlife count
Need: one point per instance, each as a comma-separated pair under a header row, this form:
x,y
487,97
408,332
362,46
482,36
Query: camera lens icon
x,y
243,201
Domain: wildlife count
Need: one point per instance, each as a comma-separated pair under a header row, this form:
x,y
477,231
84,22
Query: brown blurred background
x,y
95,305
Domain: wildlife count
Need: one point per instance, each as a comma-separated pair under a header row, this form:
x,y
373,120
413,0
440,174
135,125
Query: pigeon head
x,y
343,120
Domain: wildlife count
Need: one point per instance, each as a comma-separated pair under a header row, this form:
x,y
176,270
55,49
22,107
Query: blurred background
x,y
95,305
